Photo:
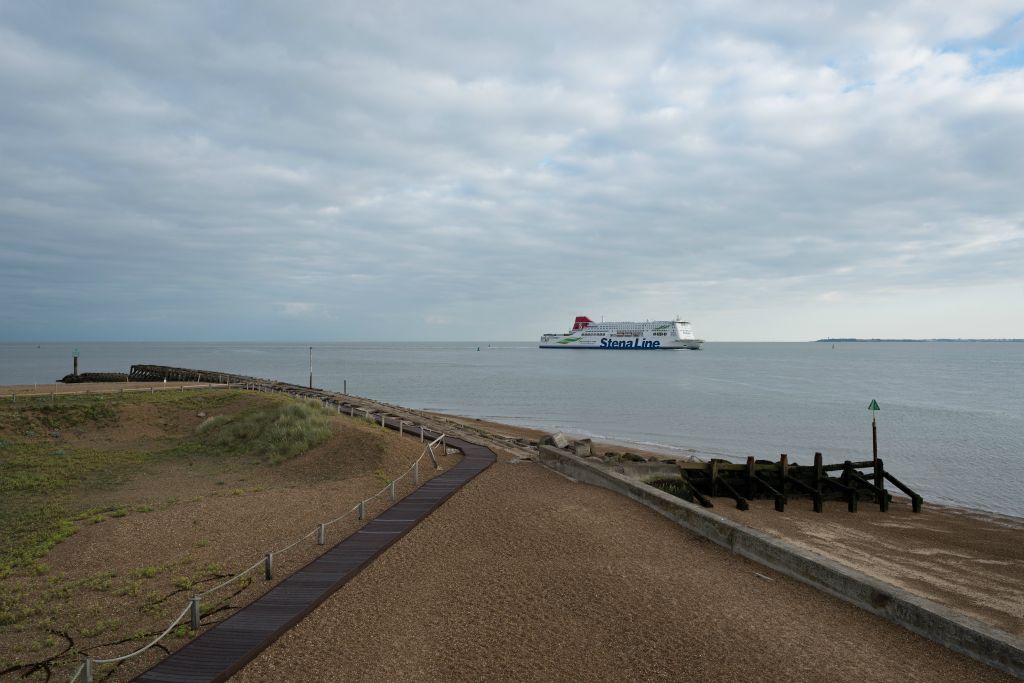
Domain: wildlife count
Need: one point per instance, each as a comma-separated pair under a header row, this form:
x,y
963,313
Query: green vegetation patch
x,y
277,432
41,476
31,416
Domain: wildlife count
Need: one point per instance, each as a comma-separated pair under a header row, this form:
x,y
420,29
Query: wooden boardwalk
x,y
227,647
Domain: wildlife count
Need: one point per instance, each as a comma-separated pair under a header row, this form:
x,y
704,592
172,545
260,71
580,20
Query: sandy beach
x,y
969,560
525,575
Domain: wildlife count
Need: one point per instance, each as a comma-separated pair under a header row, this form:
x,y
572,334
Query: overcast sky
x,y
488,171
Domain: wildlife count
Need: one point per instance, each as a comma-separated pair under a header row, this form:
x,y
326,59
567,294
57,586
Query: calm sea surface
x,y
951,423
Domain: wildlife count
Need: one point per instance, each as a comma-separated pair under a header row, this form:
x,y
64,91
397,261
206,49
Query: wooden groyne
x,y
848,481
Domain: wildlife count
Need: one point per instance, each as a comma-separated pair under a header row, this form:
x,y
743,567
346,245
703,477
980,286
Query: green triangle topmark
x,y
873,405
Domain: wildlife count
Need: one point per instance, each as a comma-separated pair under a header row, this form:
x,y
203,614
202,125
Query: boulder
x,y
560,440
583,447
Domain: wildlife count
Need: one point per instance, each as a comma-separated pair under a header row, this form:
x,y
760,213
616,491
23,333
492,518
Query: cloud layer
x,y
462,171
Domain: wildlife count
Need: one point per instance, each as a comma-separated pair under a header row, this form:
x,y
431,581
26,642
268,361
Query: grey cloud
x,y
250,169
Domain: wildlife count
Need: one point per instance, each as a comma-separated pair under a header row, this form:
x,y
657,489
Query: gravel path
x,y
524,575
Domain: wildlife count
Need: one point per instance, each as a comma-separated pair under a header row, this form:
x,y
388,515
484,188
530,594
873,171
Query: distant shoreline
x,y
853,339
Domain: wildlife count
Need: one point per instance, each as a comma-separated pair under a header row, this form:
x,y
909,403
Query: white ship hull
x,y
651,335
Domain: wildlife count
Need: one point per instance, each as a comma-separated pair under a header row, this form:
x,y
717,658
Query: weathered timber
x,y
783,469
94,377
701,498
741,502
750,477
879,472
809,490
781,480
915,500
858,478
780,499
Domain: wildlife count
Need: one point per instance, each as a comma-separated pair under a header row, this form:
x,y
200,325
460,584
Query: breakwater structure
x,y
700,481
225,647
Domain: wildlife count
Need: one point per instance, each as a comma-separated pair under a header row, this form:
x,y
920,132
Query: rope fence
x,y
86,670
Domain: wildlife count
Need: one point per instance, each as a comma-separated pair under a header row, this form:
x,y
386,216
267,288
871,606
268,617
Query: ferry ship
x,y
650,335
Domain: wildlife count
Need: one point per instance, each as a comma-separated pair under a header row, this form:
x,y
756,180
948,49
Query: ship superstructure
x,y
649,335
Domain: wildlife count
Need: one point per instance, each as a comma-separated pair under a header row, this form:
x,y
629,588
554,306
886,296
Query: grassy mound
x,y
276,433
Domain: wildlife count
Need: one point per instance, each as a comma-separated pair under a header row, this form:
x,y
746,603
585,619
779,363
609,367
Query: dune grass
x,y
276,433
39,471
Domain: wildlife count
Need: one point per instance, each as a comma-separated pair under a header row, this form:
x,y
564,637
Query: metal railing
x,y
86,670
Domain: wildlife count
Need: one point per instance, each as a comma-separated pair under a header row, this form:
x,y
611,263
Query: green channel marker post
x,y
873,407
76,363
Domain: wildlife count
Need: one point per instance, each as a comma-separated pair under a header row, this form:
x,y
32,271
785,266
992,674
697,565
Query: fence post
x,y
391,490
195,613
87,669
382,419
421,433
268,566
444,445
362,509
401,424
321,535
351,411
416,473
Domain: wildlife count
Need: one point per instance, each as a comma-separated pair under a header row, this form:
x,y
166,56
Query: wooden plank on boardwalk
x,y
234,642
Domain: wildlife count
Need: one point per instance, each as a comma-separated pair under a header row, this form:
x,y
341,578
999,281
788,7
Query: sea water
x,y
951,423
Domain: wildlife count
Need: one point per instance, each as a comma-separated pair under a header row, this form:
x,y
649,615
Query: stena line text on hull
x,y
650,335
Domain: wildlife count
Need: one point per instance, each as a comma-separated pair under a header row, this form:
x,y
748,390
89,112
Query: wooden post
x,y
344,386
268,566
87,670
416,473
819,503
362,509
783,471
321,534
874,438
195,613
852,498
310,367
750,477
818,472
391,490
713,466
883,501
